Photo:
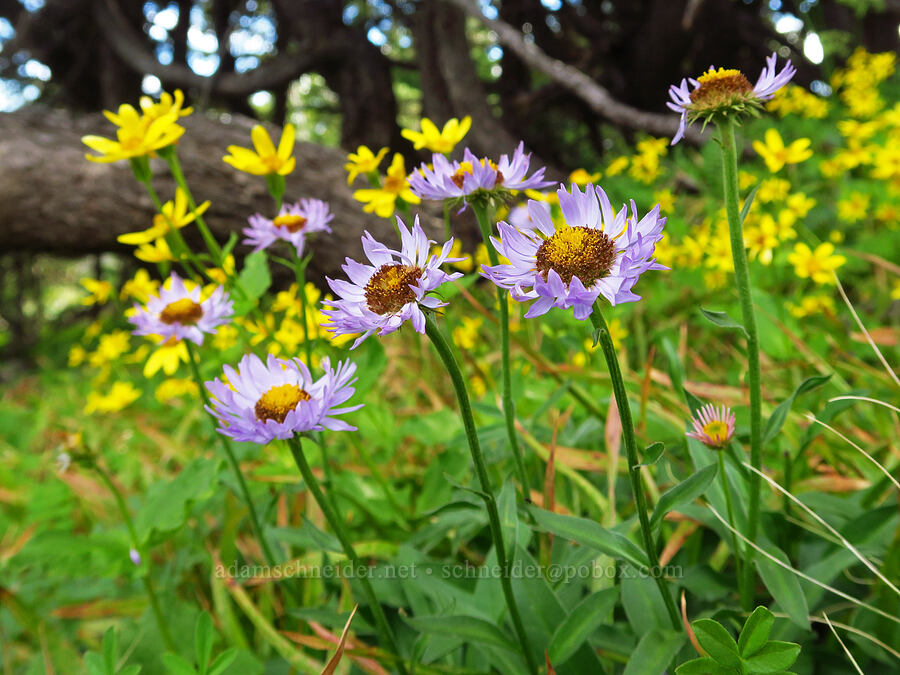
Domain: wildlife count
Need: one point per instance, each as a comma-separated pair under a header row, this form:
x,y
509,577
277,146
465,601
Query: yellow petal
x,y
286,144
262,141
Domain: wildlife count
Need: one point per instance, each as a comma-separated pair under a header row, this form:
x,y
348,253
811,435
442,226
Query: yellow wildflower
x,y
363,161
92,331
265,159
140,287
226,337
156,252
287,301
477,386
175,215
290,335
853,208
746,180
582,177
110,347
812,304
761,239
382,200
137,136
167,105
776,154
77,356
617,166
773,190
120,395
166,357
817,265
443,140
800,204
895,291
99,291
665,199
174,388
465,335
220,275
836,237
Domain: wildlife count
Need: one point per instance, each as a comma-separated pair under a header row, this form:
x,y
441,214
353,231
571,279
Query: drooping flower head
x,y
178,312
725,92
293,224
713,426
595,252
392,289
446,179
280,398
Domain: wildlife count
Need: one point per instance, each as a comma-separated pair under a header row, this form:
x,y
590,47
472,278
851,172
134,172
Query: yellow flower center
x,y
389,288
717,431
184,311
718,87
291,222
276,403
394,184
582,252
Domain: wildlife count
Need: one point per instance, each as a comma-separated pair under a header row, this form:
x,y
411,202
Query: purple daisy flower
x,y
451,180
179,313
293,224
713,426
392,289
596,252
280,398
724,89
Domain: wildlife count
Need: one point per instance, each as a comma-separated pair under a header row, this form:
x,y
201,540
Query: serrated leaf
x,y
703,666
756,631
774,657
717,641
654,652
722,320
203,641
579,624
468,627
588,533
779,415
686,491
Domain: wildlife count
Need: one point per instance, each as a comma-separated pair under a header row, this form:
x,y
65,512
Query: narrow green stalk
x,y
742,281
232,460
210,241
384,629
465,410
145,559
727,489
174,238
634,475
509,409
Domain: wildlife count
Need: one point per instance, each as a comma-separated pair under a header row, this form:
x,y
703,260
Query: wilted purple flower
x,y
713,426
449,180
279,398
293,224
180,313
596,252
392,289
724,90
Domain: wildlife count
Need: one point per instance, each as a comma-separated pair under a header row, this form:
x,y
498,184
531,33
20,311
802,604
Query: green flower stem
x,y
210,241
634,475
727,489
145,559
742,280
509,409
232,460
384,629
174,238
465,409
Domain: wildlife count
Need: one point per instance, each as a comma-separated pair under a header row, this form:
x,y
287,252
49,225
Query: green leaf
x,y
177,665
749,202
579,624
253,280
203,641
686,491
756,631
229,245
588,533
509,518
654,652
222,661
652,454
166,502
722,320
784,586
704,666
109,650
776,421
467,627
774,657
717,642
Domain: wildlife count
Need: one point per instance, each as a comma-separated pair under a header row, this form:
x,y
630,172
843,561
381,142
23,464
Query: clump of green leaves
x,y
753,652
203,647
107,662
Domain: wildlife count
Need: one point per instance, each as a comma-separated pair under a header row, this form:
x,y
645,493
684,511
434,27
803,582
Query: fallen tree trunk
x,y
53,200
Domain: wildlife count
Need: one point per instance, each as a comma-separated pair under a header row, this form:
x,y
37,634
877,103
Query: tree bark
x,y
53,200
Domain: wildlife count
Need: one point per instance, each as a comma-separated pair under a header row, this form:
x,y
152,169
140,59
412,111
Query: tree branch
x,y
583,86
